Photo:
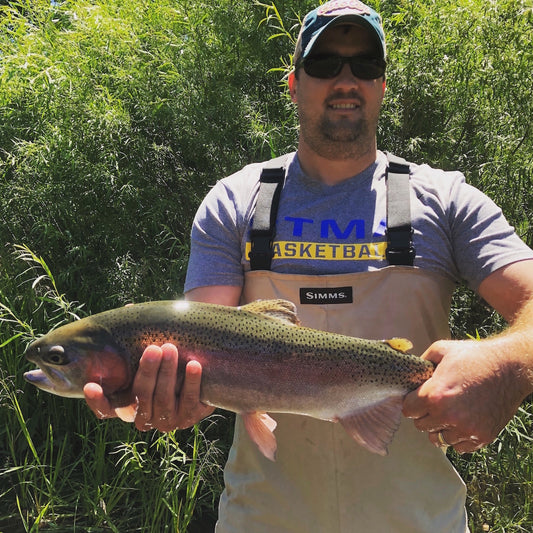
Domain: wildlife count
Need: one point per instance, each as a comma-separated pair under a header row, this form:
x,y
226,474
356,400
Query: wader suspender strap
x,y
264,221
400,250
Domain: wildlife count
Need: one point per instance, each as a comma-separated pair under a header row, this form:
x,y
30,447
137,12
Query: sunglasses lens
x,y
368,69
329,66
323,66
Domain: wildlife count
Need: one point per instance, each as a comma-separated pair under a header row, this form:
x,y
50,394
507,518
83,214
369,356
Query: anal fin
x,y
375,426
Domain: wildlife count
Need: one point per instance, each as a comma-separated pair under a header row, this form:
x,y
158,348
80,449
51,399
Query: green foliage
x,y
115,119
460,94
499,479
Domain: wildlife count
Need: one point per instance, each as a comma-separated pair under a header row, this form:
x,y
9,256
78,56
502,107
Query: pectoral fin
x,y
127,414
260,428
374,427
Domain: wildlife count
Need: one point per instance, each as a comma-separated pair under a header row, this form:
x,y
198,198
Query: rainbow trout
x,y
256,359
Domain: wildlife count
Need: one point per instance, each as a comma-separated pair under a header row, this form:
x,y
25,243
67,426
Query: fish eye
x,y
55,356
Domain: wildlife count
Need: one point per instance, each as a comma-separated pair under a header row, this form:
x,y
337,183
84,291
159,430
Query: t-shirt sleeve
x,y
215,256
483,240
218,231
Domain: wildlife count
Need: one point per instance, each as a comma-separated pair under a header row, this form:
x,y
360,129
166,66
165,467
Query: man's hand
x,y
154,386
471,396
478,386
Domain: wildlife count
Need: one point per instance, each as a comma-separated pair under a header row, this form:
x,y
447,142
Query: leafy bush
x,y
116,118
460,94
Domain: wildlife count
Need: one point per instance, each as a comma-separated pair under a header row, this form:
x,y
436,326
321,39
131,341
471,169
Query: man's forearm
x,y
516,344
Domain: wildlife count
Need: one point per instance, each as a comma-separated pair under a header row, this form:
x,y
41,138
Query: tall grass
x,y
62,468
500,478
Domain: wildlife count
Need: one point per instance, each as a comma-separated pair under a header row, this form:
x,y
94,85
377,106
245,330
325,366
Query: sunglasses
x,y
327,66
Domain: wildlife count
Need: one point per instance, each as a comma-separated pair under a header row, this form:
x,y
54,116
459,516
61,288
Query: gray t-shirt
x,y
458,231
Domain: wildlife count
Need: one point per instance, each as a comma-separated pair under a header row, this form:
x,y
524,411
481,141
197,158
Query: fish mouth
x,y
53,382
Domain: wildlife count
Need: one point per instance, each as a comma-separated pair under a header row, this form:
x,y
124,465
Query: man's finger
x,y
189,400
412,406
97,402
144,385
164,408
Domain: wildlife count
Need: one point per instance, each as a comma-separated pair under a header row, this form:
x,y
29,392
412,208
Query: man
x,y
334,243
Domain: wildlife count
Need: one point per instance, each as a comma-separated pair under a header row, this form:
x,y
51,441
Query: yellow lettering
x,y
309,251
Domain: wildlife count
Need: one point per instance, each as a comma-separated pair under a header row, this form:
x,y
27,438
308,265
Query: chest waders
x,y
322,481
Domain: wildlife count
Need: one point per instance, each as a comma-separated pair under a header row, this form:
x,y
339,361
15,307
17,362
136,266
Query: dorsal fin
x,y
402,345
279,309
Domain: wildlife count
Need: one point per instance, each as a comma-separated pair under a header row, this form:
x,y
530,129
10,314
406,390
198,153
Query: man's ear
x,y
292,85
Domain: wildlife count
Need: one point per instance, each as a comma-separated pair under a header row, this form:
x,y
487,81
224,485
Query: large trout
x,y
255,359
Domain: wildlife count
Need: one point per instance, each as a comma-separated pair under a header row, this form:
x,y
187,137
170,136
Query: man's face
x,y
339,116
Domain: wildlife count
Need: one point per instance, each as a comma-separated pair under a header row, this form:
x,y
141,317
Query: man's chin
x,y
344,127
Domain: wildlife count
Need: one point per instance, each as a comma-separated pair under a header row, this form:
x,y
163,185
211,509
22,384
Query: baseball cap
x,y
338,12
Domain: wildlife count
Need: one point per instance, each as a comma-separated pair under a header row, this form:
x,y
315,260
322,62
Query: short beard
x,y
338,140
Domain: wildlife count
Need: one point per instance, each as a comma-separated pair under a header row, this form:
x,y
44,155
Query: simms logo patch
x,y
336,295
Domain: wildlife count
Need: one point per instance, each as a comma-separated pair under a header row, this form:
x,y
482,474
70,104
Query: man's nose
x,y
346,77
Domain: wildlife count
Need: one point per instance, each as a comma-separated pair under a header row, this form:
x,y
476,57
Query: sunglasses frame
x,y
353,61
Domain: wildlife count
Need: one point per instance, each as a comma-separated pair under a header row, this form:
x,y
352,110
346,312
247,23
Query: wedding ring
x,y
441,440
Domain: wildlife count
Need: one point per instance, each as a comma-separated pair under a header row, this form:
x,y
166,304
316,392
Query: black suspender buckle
x,y
400,249
261,252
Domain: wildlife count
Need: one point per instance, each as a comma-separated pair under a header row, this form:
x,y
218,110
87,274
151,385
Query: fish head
x,y
78,353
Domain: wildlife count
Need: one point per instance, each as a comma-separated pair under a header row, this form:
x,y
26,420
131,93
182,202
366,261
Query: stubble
x,y
337,137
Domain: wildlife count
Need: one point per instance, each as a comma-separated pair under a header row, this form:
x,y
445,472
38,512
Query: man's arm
x,y
154,385
216,294
478,386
